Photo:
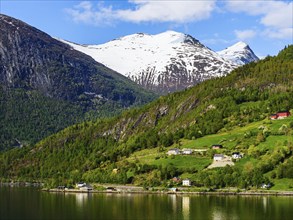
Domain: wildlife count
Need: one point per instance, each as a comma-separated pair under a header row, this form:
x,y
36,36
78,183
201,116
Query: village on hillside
x,y
219,159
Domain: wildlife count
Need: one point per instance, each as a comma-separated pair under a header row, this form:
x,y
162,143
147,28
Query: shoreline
x,y
130,189
224,193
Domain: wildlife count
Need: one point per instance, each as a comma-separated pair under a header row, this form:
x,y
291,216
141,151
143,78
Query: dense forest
x,y
45,86
244,99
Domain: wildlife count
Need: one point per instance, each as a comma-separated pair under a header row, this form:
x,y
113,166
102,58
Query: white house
x,y
236,155
186,182
266,186
81,184
174,151
218,157
187,151
86,188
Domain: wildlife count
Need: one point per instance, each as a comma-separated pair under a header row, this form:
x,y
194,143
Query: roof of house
x,y
217,145
174,149
218,155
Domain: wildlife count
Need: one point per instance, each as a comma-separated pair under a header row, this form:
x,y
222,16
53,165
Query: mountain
x,y
131,148
164,63
46,86
239,53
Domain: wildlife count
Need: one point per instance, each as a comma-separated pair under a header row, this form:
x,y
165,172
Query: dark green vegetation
x,y
233,109
46,86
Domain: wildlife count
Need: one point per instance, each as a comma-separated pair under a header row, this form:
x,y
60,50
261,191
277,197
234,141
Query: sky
x,y
266,25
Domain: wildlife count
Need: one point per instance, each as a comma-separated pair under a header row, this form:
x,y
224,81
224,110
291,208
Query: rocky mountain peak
x,y
165,62
239,53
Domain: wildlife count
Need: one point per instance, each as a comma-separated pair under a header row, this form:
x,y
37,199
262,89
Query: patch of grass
x,y
185,162
284,184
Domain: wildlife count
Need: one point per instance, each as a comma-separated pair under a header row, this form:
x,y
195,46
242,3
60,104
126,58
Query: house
x,y
174,189
283,114
186,182
236,155
218,157
266,186
280,115
86,188
176,179
187,151
174,151
217,146
80,184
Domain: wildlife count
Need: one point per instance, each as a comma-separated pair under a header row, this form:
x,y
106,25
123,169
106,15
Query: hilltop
x,y
166,62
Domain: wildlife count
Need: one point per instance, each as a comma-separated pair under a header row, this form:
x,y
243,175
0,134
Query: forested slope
x,y
91,150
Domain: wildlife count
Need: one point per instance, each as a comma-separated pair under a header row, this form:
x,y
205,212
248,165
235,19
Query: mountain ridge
x,y
37,70
165,62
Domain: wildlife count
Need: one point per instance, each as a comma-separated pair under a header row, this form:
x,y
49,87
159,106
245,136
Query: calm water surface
x,y
30,203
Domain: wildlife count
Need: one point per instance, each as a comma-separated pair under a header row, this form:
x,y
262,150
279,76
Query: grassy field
x,y
283,184
234,140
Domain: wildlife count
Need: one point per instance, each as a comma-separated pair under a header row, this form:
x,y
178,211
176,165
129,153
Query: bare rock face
x,y
31,59
45,85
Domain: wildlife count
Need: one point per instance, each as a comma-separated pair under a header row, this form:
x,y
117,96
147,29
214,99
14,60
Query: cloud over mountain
x,y
143,11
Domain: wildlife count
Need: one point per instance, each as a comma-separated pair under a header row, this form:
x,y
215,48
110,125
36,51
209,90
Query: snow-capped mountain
x,y
165,62
239,53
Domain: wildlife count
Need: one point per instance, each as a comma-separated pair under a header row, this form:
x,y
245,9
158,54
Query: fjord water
x,y
31,203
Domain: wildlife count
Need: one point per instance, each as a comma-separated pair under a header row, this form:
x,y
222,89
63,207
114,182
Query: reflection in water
x,y
172,197
81,199
218,214
265,203
102,206
186,207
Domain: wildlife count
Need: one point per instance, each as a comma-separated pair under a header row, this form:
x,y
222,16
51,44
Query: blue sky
x,y
267,26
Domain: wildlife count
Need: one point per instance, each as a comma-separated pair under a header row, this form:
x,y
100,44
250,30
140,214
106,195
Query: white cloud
x,y
168,11
245,35
179,11
86,13
279,34
276,16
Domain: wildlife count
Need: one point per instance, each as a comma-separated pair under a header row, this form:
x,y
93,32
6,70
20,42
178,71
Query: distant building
x,y
236,155
266,186
174,151
176,179
174,189
186,182
218,157
80,184
187,151
86,188
280,115
217,146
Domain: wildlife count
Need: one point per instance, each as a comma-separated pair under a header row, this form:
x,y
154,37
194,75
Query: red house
x,y
280,115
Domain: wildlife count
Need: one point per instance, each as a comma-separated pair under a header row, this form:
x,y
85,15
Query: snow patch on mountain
x,y
165,62
239,53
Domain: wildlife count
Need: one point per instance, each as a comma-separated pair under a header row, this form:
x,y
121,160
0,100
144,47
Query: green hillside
x,y
46,86
131,148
